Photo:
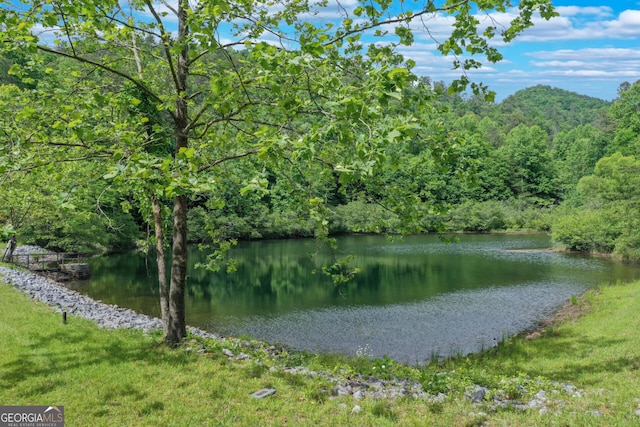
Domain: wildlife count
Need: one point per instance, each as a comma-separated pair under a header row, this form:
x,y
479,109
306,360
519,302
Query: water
x,y
415,299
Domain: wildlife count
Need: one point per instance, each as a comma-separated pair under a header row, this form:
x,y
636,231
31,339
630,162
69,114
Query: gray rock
x,y
74,303
262,393
478,394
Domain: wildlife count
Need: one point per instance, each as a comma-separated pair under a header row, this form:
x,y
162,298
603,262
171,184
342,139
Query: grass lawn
x,y
126,378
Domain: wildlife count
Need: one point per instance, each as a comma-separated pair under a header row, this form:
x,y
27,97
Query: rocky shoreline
x,y
74,303
65,300
112,316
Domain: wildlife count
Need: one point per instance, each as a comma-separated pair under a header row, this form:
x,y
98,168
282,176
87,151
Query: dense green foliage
x,y
607,218
508,166
527,163
172,101
542,159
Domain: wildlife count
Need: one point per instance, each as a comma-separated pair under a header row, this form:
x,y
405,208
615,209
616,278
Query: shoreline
x,y
108,316
55,294
355,385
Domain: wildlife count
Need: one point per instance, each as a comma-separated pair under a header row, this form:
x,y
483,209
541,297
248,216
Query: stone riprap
x,y
74,303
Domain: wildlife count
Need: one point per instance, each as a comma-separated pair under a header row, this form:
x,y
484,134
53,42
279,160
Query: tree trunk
x,y
162,266
11,246
177,323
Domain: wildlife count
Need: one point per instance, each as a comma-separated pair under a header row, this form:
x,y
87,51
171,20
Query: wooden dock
x,y
61,264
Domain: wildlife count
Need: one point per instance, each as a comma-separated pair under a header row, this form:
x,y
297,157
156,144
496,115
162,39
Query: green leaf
x,y
187,153
15,70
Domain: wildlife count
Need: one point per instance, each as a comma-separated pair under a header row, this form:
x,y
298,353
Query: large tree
x,y
526,153
173,90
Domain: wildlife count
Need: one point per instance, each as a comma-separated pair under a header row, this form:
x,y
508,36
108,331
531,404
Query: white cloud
x,y
418,47
593,71
589,10
572,26
594,54
627,25
596,73
613,64
560,64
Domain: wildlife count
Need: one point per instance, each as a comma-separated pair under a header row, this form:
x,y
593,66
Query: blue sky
x,y
591,48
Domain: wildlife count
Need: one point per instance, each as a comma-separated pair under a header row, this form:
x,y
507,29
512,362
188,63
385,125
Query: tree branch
x,y
394,21
166,43
105,67
228,158
64,160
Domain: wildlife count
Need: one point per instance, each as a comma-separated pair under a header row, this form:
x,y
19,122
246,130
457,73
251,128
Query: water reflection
x,y
415,298
453,323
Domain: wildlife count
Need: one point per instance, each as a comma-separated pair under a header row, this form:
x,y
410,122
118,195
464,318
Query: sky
x,y
591,48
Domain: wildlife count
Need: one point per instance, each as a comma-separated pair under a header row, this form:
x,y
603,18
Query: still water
x,y
415,298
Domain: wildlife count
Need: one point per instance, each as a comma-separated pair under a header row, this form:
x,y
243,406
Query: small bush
x,y
586,231
478,216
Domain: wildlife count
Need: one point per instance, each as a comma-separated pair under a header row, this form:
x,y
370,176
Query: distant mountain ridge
x,y
561,108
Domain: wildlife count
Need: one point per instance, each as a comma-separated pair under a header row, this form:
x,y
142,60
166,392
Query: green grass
x,y
599,354
127,378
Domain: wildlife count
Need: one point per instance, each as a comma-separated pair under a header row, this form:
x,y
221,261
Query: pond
x,y
415,298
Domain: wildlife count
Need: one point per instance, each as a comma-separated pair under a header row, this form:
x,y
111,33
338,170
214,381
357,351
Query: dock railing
x,y
48,261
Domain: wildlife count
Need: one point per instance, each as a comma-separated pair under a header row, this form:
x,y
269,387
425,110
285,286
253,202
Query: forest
x,y
543,159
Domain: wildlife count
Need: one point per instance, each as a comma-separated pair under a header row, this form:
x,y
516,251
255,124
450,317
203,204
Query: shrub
x,y
478,216
585,230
